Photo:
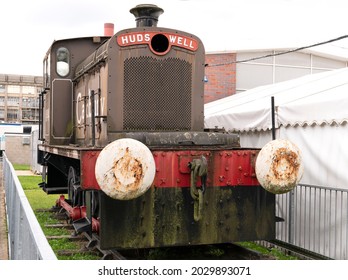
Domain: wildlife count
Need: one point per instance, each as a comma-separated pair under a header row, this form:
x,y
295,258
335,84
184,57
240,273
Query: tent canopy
x,y
311,111
312,99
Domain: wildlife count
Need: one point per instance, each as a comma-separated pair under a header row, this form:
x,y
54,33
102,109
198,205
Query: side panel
x,y
61,111
165,217
95,83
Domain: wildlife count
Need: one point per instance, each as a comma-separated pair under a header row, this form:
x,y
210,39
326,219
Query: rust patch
x,y
128,172
285,165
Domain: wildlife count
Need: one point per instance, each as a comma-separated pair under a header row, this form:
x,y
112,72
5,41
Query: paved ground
x,y
3,223
25,173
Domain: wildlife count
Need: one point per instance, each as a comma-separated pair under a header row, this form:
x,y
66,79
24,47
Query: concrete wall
x,y
18,148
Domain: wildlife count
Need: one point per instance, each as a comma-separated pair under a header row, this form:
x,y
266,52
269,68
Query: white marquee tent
x,y
311,111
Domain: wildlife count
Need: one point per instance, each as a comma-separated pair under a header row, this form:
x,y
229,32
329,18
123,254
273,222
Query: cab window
x,y
63,62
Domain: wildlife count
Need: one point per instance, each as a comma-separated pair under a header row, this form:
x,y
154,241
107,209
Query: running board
x,y
57,190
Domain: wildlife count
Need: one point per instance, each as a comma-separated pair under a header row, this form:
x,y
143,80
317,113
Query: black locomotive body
x,y
144,85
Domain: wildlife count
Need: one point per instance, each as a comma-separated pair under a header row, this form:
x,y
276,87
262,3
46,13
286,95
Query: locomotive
x,y
124,145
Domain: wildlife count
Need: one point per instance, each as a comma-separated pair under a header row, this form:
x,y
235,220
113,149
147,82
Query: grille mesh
x,y
157,94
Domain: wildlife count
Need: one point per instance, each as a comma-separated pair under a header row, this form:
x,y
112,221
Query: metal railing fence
x,y
26,238
316,219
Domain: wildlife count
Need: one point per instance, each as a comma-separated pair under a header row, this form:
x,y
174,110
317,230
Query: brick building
x,y
224,77
220,78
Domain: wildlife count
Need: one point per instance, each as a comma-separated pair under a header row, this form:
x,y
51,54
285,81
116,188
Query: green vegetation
x,y
189,253
273,252
80,256
30,182
37,198
21,166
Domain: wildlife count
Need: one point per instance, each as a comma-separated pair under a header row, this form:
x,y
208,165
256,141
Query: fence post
x,y
291,217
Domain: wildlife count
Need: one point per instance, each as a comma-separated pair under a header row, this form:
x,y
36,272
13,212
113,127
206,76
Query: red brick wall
x,y
221,79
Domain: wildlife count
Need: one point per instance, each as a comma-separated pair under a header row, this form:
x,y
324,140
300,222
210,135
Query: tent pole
x,y
273,118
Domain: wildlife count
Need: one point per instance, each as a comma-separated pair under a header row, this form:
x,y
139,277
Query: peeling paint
x,y
279,166
285,165
128,172
125,169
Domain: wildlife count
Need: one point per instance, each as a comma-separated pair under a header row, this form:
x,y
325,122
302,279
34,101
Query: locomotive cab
x,y
56,99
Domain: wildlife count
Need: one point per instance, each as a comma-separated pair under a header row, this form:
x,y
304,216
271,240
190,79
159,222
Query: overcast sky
x,y
27,28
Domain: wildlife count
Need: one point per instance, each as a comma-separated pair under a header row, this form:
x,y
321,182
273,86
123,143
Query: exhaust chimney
x,y
146,15
108,29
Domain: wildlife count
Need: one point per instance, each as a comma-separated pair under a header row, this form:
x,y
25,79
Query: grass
x,y
21,166
277,254
37,198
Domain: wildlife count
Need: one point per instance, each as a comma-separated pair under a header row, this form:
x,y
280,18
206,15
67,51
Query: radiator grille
x,y
157,94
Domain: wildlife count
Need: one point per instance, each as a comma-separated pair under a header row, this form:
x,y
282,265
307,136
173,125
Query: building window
x,y
12,115
14,89
28,90
13,101
29,102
